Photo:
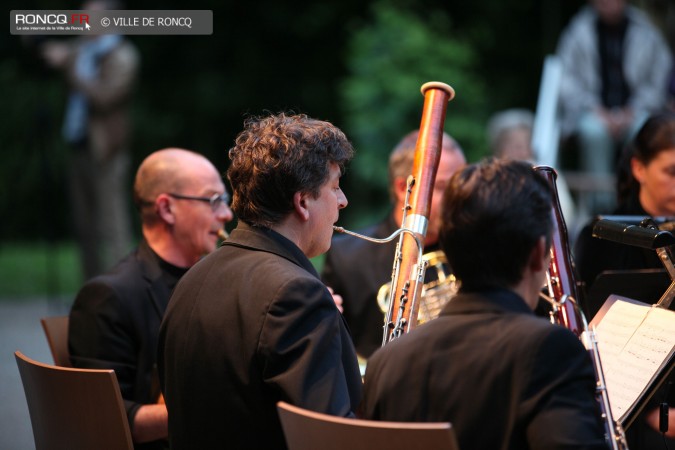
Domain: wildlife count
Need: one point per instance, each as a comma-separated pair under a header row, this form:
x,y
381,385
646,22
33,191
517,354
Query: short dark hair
x,y
278,155
493,214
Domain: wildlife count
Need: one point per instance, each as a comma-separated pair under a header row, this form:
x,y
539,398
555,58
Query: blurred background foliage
x,y
389,57
358,64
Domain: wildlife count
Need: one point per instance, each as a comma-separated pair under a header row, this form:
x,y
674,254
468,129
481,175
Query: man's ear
x,y
300,204
539,257
164,208
400,189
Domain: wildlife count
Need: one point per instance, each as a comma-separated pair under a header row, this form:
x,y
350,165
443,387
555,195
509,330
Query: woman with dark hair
x,y
643,160
645,188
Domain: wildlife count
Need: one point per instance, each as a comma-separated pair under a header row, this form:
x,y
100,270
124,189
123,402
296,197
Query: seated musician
x,y
505,378
114,322
252,324
646,188
357,269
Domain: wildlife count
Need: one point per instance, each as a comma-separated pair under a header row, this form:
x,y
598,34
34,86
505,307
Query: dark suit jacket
x,y
114,324
504,378
357,269
249,325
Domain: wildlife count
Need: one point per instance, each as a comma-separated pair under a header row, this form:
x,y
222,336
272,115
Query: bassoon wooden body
x,y
565,311
409,266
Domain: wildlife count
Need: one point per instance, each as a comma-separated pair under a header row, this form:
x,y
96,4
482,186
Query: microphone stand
x,y
646,235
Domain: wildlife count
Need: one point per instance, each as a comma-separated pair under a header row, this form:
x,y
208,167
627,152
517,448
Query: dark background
x,y
357,64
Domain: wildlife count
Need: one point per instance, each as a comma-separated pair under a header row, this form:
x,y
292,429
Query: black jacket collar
x,y
267,240
492,300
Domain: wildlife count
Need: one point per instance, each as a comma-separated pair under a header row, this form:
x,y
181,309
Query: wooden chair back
x,y
308,430
75,409
56,330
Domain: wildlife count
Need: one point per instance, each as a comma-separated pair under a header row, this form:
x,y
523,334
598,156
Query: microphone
x,y
651,238
662,222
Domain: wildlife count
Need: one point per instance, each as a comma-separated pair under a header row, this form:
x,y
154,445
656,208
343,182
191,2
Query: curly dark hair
x,y
278,155
494,212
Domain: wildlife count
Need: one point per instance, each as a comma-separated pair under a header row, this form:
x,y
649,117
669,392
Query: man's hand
x,y
151,423
652,419
337,298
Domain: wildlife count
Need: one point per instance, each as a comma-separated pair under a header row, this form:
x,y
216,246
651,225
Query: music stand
x,y
648,236
645,285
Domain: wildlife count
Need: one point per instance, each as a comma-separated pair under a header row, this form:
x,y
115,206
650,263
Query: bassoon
x,y
563,296
409,264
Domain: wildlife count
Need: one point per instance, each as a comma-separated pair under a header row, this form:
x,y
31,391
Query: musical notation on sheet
x,y
635,340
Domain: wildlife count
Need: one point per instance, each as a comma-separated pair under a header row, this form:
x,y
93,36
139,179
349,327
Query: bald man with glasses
x,y
215,200
114,322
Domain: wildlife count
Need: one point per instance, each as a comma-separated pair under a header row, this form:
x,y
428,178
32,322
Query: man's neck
x,y
288,229
167,249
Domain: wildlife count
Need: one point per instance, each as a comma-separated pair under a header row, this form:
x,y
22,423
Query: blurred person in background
x,y
509,134
615,66
100,71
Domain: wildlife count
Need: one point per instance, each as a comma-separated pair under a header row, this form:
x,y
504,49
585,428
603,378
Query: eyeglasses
x,y
215,200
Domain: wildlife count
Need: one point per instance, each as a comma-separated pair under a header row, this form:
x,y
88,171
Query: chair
x,y
77,409
56,330
308,430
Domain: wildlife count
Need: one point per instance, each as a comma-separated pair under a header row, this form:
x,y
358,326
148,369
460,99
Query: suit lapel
x,y
152,274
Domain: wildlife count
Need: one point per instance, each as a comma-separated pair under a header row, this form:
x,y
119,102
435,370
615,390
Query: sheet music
x,y
634,341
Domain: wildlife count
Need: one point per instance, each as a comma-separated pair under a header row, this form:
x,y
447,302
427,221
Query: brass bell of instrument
x,y
435,293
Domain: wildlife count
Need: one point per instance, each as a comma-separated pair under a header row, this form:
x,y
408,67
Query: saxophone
x,y
565,311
